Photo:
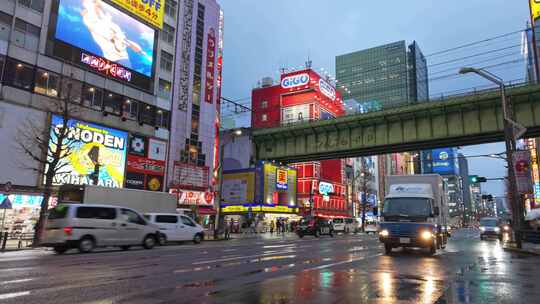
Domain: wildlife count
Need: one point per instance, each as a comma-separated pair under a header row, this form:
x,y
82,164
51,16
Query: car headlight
x,y
426,235
482,229
506,228
497,229
384,233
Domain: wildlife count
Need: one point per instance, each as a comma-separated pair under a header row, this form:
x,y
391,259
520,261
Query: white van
x,y
176,227
86,226
338,224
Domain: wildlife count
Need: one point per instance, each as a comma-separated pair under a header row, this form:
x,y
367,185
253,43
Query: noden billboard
x,y
84,139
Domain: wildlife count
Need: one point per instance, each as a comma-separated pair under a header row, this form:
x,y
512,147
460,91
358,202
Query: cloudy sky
x,y
263,36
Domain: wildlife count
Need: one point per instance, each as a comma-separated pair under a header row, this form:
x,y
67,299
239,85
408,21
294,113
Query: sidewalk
x,y
12,245
263,236
527,248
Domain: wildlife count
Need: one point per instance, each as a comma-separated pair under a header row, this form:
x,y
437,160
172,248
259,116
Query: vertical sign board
x,y
210,66
522,169
531,145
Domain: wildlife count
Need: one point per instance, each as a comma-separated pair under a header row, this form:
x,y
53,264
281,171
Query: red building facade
x,y
299,97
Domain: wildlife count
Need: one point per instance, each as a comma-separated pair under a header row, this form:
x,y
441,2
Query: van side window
x,y
187,221
102,213
133,217
169,219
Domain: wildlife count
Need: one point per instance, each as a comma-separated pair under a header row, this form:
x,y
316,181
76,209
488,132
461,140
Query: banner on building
x,y
150,11
188,176
238,187
522,169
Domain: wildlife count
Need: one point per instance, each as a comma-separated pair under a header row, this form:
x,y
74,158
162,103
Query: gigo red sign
x,y
210,66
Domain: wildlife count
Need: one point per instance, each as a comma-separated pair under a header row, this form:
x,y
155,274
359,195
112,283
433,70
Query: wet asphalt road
x,y
344,269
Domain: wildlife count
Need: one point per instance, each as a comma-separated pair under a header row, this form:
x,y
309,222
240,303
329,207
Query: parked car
x,y
176,227
339,224
316,226
87,226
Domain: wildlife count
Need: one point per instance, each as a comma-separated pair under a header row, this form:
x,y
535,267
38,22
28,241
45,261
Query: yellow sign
x,y
150,11
238,188
280,209
535,9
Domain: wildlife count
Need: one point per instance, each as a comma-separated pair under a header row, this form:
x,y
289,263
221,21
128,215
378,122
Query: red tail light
x,y
311,223
68,230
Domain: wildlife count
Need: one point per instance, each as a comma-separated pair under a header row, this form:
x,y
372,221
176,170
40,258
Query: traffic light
x,y
477,179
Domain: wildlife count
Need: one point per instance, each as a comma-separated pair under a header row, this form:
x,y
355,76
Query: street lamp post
x,y
510,146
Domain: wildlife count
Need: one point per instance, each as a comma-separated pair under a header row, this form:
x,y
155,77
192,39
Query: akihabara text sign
x,y
210,66
84,140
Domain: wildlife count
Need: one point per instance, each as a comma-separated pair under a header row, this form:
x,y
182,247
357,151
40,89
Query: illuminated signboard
x,y
531,144
150,11
106,67
106,32
327,89
84,138
295,81
535,8
210,66
197,198
281,179
326,188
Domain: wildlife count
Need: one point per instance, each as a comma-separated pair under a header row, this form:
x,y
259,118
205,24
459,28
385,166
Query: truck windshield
x,y
488,222
407,206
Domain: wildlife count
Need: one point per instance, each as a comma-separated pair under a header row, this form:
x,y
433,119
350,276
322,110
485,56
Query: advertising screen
x,y
105,31
85,139
444,161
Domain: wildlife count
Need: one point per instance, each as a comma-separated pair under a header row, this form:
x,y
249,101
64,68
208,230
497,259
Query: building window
x,y
264,117
112,103
47,83
19,74
170,8
73,94
33,4
93,97
264,104
26,35
148,115
164,90
5,25
162,118
131,109
166,62
167,34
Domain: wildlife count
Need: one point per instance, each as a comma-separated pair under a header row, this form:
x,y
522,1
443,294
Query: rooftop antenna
x,y
283,70
308,63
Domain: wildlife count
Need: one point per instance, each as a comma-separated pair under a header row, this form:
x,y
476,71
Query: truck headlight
x,y
506,228
482,229
426,235
384,233
497,229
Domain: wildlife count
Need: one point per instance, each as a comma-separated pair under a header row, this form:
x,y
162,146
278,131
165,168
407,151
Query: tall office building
x,y
117,63
385,76
466,186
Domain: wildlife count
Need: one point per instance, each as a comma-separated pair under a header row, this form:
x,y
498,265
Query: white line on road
x,y
242,257
13,295
16,281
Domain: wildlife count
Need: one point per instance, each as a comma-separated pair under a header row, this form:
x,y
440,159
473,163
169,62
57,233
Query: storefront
x,y
21,218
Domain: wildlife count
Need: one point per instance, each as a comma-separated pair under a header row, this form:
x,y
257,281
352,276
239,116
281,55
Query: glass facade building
x,y
385,76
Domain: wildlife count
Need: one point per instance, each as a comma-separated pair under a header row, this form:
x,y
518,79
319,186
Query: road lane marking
x,y
16,281
13,295
241,257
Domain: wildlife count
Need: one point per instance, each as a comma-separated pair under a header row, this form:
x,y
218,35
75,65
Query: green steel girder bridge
x,y
475,118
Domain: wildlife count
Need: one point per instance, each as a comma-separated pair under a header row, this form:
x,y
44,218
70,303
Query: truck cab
x,y
413,214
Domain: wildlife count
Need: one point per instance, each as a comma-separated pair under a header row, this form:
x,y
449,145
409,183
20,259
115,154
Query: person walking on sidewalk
x,y
272,226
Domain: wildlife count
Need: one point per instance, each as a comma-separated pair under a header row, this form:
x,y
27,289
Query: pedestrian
x,y
278,225
272,226
227,232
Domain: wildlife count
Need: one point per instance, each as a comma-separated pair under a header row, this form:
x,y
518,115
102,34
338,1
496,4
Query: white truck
x,y
140,200
414,213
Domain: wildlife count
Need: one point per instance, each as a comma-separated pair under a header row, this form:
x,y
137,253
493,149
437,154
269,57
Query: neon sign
x,y
295,81
106,67
327,89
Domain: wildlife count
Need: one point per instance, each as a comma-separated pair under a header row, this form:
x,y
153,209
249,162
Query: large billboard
x,y
444,161
150,11
238,187
102,30
276,191
84,139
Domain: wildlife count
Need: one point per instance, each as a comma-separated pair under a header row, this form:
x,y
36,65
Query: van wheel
x,y
60,249
126,247
387,248
149,242
86,244
197,239
162,239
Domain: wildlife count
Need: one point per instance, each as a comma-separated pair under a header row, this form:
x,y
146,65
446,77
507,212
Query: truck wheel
x,y
149,242
387,248
86,244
